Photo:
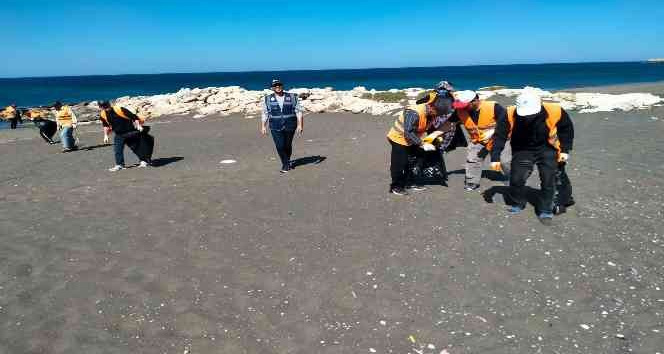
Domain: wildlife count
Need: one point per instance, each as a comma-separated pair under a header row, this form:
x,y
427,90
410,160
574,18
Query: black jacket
x,y
119,124
531,133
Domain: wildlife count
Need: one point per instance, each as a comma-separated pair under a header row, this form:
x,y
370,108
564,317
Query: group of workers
x,y
515,138
127,127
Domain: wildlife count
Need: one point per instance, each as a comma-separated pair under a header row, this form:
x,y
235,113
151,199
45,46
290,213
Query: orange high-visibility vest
x,y
118,111
64,117
554,112
481,132
397,135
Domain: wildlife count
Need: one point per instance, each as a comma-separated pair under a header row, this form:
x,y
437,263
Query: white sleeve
x,y
264,114
298,107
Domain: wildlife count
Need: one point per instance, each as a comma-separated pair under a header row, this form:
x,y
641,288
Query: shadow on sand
x,y
532,195
88,148
163,161
309,160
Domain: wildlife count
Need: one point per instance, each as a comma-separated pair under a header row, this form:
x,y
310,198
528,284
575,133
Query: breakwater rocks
x,y
236,100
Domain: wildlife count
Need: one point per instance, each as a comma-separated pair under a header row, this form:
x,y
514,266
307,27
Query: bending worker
x,y
12,114
47,128
479,117
126,126
283,112
66,120
540,134
406,137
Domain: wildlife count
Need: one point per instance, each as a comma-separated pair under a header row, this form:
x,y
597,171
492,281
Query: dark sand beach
x,y
194,256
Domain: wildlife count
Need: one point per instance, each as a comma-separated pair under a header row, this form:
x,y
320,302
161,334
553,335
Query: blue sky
x,y
54,38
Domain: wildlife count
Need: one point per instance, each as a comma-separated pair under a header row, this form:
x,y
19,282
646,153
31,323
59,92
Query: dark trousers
x,y
12,123
47,129
119,143
563,187
399,163
283,141
523,163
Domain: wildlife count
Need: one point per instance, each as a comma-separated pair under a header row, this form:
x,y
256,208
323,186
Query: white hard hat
x,y
528,103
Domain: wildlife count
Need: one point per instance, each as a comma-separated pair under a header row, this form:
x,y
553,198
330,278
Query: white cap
x,y
463,98
528,103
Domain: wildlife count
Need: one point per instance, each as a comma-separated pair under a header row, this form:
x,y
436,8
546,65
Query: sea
x,y
36,91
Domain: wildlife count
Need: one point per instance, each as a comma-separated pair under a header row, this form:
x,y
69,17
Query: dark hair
x,y
57,104
104,104
443,105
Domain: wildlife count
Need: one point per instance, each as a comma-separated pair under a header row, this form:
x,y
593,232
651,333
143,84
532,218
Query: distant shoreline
x,y
551,77
650,87
319,70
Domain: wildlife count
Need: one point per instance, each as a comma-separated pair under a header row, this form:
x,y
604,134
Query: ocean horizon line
x,y
319,70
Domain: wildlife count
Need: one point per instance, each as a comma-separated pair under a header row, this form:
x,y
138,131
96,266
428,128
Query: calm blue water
x,y
42,91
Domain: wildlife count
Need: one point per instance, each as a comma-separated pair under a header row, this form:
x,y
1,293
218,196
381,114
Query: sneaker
x,y
398,191
284,169
417,187
514,209
116,168
546,218
143,164
559,209
469,187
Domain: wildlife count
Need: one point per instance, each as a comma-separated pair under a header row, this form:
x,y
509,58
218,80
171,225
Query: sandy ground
x,y
195,256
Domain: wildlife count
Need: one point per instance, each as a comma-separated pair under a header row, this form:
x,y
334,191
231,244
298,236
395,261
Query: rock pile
x,y
587,102
237,100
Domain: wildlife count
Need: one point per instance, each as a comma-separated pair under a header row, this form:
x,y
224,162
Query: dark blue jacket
x,y
282,119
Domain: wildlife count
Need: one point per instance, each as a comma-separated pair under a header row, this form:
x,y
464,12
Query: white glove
x,y
106,139
428,147
563,157
495,166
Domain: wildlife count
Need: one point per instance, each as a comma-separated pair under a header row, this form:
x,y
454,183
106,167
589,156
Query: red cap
x,y
460,105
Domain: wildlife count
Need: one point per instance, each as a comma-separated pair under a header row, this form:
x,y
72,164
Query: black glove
x,y
483,153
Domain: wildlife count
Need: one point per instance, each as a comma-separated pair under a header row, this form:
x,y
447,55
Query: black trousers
x,y
399,168
12,123
47,129
283,141
563,187
523,163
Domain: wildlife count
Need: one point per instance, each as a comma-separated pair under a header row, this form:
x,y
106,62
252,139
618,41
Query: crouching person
x,y
47,128
479,118
128,130
406,138
540,134
66,122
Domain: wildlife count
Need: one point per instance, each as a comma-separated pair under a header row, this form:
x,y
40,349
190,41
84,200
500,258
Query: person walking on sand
x,y
127,128
66,121
479,118
13,115
283,113
540,134
406,139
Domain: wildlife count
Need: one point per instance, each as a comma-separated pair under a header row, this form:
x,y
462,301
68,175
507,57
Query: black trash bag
x,y
142,144
432,169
